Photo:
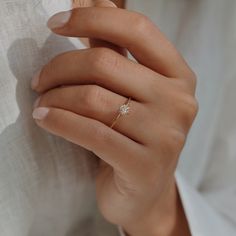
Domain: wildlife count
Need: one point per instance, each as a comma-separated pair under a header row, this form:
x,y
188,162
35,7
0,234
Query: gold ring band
x,y
123,110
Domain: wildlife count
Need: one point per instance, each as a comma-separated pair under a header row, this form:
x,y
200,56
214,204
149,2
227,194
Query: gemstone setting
x,y
124,109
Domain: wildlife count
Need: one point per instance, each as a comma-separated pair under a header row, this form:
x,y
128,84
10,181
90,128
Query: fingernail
x,y
40,113
36,103
105,3
35,80
59,19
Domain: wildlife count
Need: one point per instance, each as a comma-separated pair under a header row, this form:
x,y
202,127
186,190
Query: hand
x,y
81,92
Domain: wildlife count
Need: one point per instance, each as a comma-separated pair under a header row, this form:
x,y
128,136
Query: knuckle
x,y
186,109
191,80
140,22
190,106
103,61
92,95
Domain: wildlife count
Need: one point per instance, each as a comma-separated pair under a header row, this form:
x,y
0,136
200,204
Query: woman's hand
x,y
81,92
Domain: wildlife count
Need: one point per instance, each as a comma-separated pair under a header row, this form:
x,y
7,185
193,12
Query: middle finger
x,y
101,66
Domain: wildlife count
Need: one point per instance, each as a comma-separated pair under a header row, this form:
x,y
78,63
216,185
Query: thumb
x,y
97,42
101,43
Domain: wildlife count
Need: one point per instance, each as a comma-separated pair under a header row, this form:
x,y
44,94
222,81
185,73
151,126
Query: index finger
x,y
127,29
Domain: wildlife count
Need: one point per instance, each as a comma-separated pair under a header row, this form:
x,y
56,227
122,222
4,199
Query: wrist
x,y
166,218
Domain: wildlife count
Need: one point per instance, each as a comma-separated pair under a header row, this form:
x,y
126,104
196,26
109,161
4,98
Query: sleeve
x,y
202,218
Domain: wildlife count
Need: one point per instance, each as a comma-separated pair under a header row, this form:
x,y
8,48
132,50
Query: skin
x,y
119,3
82,90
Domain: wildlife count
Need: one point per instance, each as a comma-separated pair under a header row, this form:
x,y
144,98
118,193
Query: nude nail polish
x,y
59,20
40,113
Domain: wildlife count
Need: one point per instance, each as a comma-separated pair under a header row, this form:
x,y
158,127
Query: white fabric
x,y
46,183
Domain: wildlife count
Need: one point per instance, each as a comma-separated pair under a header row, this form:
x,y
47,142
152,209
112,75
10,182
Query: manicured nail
x,y
105,3
36,103
59,19
35,80
40,113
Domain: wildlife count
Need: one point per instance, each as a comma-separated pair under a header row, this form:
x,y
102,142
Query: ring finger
x,y
98,103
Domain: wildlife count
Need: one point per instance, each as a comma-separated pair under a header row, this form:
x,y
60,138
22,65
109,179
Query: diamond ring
x,y
123,110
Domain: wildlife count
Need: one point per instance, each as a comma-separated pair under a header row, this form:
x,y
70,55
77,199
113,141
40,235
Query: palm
x,y
110,195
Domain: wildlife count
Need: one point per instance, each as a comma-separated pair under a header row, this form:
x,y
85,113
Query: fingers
x,y
90,134
127,29
99,104
99,66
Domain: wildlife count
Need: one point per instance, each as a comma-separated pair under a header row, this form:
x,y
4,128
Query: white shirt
x,y
46,183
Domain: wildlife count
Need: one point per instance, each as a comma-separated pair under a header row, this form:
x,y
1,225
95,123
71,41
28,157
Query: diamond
x,y
124,109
